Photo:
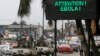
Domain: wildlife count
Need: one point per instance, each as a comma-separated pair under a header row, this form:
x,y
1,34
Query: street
x,y
59,54
67,54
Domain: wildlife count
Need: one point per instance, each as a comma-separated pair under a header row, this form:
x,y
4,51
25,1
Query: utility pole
x,y
55,34
62,31
43,17
69,31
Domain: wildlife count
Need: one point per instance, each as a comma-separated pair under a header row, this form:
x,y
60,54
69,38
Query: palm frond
x,y
43,3
50,22
24,8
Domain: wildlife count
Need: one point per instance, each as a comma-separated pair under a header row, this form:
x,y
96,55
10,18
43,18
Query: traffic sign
x,y
70,9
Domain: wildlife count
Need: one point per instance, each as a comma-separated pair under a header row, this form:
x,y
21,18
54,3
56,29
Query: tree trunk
x,y
80,27
91,37
97,27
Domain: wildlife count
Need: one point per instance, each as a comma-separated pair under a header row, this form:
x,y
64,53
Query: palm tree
x,y
24,10
14,23
23,23
50,22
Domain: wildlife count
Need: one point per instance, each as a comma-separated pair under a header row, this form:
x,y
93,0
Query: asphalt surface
x,y
58,54
68,54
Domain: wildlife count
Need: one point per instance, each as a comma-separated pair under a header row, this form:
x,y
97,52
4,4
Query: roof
x,y
19,26
24,26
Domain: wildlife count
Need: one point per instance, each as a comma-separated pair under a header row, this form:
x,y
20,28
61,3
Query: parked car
x,y
5,49
75,47
23,51
45,50
62,42
45,47
65,48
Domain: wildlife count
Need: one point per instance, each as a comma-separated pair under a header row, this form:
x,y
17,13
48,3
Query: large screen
x,y
70,9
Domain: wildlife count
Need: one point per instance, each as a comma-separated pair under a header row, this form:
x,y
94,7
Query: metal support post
x,y
55,31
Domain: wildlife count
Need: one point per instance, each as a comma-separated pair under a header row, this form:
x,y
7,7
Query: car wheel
x,y
47,54
30,55
59,51
52,54
70,52
76,50
14,55
39,55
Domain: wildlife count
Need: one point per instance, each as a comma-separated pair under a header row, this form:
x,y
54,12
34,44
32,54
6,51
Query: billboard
x,y
70,9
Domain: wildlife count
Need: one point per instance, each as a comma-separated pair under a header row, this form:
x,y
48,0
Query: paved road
x,y
67,54
59,54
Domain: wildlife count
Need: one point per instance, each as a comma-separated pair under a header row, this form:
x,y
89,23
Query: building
x,y
70,28
2,30
35,30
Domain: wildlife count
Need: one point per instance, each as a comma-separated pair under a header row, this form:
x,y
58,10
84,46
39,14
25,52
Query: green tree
x,y
24,10
23,23
50,22
15,23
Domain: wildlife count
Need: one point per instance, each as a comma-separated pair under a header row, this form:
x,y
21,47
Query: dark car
x,y
75,47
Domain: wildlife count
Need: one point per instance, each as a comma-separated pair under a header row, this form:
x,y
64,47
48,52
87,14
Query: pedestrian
x,y
81,51
91,52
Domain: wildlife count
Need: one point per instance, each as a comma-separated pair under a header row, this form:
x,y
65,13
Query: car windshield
x,y
5,47
73,44
62,42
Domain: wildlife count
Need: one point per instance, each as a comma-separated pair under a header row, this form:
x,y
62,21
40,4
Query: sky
x,y
9,9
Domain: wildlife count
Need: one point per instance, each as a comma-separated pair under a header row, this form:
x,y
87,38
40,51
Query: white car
x,y
23,51
5,49
46,50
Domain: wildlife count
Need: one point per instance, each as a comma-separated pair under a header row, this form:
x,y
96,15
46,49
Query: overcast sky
x,y
9,9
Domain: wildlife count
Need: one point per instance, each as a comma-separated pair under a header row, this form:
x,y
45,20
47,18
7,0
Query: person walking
x,y
81,51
